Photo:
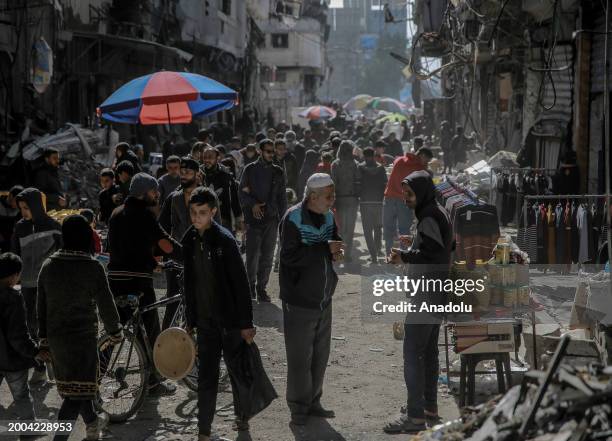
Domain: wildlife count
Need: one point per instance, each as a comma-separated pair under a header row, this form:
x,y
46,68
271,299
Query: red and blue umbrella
x,y
318,112
167,98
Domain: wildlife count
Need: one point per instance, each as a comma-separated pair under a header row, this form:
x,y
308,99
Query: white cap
x,y
319,180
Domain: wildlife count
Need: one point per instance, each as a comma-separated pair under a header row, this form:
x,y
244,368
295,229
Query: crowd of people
x,y
286,198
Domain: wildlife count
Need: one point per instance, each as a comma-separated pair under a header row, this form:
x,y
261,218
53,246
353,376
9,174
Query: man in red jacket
x,y
396,215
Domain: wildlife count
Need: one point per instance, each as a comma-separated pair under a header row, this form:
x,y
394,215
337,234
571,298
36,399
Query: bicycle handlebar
x,y
171,265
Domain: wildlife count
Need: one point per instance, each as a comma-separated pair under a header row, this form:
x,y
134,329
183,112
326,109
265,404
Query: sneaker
x,y
431,419
263,297
162,388
240,425
38,377
93,430
298,419
319,411
404,424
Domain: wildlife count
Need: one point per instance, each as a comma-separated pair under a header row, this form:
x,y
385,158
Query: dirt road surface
x,y
364,384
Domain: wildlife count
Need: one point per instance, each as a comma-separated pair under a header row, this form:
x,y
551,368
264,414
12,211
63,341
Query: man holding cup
x,y
309,246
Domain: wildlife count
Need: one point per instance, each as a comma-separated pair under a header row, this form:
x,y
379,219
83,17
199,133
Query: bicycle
x,y
123,380
125,367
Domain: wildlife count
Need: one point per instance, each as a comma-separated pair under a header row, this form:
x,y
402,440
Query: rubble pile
x,y
560,404
72,139
81,180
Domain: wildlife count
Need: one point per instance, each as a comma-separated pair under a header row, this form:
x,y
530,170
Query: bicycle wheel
x,y
191,380
124,373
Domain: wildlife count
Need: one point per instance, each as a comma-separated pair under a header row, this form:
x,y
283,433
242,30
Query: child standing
x,y
18,352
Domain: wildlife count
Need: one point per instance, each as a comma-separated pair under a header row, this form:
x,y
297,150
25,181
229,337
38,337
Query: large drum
x,y
174,353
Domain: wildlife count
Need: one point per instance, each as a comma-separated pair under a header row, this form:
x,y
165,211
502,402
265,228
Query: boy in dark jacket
x,y
309,245
18,352
218,302
106,197
36,237
373,184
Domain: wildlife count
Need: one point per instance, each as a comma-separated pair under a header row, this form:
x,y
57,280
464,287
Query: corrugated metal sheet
x,y
597,56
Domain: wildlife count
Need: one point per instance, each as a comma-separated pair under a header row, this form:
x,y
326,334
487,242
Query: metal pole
x,y
606,144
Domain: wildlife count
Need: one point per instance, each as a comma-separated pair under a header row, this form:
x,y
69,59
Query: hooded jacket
x,y
402,167
430,253
433,243
35,239
373,181
17,349
345,173
133,236
308,168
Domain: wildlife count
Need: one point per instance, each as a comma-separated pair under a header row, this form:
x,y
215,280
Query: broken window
x,y
280,40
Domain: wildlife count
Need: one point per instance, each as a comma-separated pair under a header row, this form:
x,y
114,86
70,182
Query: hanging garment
x,y
542,233
551,236
567,221
575,234
561,235
582,218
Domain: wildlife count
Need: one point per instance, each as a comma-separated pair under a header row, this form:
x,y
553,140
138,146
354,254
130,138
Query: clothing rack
x,y
560,197
566,196
513,170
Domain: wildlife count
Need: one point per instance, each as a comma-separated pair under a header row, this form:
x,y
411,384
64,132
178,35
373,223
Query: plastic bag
x,y
253,387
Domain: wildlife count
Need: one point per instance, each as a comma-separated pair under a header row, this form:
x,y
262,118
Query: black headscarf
x,y
423,187
77,234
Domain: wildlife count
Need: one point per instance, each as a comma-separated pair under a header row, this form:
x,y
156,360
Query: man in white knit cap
x,y
309,246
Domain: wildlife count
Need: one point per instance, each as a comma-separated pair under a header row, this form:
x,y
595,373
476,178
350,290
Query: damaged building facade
x,y
521,76
59,59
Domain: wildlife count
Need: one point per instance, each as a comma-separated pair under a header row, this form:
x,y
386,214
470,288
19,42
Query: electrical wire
x,y
501,11
548,65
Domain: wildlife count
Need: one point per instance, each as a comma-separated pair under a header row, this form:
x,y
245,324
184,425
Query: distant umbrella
x,y
167,98
394,117
388,104
318,112
358,102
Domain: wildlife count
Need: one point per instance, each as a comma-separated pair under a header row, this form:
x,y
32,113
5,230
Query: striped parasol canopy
x,y
167,98
318,112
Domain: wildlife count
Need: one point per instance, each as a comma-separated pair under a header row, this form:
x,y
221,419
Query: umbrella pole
x,y
168,110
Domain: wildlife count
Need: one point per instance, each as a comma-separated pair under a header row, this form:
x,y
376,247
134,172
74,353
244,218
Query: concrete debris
x,y
72,139
563,403
81,180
